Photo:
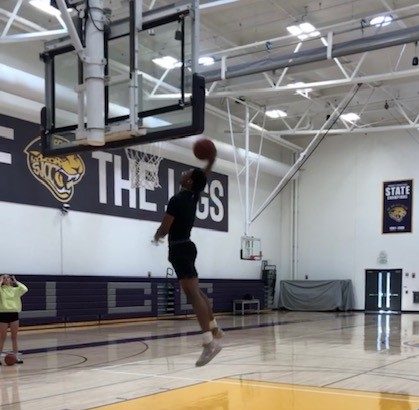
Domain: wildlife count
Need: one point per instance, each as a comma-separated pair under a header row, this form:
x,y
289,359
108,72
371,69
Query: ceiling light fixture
x,y
167,62
215,3
351,117
307,27
45,6
303,31
300,90
314,34
381,21
303,37
294,30
206,61
297,84
276,114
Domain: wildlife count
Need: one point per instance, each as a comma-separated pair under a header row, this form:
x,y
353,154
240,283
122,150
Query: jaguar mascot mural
x,y
58,174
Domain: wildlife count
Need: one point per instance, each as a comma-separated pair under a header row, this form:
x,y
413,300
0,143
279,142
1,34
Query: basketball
x,y
10,359
204,149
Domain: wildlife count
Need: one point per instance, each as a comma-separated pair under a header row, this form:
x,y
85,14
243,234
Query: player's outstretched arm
x,y
164,228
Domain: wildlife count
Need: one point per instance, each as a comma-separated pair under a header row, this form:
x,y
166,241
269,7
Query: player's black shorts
x,y
9,317
182,256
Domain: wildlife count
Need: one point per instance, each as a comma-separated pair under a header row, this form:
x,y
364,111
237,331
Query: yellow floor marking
x,y
232,394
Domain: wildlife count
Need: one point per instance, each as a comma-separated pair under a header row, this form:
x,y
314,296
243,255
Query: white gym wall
x,y
40,240
43,241
340,210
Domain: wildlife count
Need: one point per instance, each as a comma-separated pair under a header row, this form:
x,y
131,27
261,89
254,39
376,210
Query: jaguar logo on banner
x,y
96,182
398,213
397,206
59,175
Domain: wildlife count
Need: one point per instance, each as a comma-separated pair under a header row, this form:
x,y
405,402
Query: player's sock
x,y
207,338
213,324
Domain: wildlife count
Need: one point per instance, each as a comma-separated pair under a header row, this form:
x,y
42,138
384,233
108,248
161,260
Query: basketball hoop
x,y
144,166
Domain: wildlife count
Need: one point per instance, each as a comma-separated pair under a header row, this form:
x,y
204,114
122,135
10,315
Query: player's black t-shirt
x,y
182,207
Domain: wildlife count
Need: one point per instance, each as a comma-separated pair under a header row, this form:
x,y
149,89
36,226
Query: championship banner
x,y
397,206
96,182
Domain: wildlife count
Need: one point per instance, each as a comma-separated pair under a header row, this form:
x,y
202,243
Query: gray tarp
x,y
316,295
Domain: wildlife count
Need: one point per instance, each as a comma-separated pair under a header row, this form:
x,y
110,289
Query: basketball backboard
x,y
251,248
153,69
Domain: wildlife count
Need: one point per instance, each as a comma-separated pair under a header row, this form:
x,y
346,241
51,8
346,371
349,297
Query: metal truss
x,y
242,49
254,120
330,31
247,204
409,119
247,199
33,32
349,76
312,146
345,80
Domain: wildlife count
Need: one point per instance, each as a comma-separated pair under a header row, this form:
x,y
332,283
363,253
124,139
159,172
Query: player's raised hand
x,y
157,241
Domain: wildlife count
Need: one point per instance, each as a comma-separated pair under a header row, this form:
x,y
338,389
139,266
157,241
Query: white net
x,y
144,166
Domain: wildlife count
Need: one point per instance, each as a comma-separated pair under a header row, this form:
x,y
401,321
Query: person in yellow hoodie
x,y
11,292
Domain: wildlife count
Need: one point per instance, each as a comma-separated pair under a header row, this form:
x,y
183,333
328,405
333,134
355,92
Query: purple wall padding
x,y
58,299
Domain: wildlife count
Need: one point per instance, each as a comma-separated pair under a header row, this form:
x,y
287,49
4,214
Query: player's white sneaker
x,y
209,351
19,358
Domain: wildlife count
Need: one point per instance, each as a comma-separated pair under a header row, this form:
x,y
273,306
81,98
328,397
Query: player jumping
x,y
178,222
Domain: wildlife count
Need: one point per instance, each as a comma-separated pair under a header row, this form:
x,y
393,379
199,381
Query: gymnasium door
x,y
383,291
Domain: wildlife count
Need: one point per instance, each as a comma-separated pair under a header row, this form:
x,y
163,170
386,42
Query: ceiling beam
x,y
357,46
354,23
384,77
20,22
358,130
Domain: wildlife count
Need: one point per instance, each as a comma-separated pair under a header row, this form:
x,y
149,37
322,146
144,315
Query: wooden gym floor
x,y
281,361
